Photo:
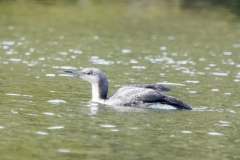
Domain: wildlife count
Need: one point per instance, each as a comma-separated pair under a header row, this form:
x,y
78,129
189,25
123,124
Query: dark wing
x,y
158,97
157,87
129,95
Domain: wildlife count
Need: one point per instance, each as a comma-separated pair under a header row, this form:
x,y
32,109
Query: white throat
x,y
95,94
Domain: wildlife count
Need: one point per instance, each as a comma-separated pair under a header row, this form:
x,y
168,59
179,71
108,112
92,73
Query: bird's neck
x,y
99,91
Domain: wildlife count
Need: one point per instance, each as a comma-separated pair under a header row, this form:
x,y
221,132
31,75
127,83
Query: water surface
x,y
47,114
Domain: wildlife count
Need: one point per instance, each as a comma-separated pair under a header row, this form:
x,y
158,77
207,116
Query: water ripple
x,y
41,133
219,74
8,43
56,101
50,75
215,133
125,51
107,126
187,132
62,150
56,127
48,113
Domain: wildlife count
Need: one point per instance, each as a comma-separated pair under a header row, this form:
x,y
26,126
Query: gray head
x,y
92,75
96,77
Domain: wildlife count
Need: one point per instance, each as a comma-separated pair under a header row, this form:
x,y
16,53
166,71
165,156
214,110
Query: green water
x,y
47,115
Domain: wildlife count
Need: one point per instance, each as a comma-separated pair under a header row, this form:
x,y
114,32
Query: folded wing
x,y
139,94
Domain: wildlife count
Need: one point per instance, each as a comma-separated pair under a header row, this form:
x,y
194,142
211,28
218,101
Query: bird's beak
x,y
75,73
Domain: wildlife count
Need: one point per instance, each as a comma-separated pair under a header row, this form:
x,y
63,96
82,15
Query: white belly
x,y
158,106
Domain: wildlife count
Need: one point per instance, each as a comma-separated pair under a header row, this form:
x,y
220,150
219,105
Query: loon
x,y
132,95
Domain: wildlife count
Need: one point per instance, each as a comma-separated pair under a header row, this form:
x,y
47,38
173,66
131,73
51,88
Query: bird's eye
x,y
88,73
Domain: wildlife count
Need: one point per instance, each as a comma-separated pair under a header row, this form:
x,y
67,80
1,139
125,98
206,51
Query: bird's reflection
x,y
94,108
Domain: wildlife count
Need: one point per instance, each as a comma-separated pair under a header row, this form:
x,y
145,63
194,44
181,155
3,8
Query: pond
x,y
47,114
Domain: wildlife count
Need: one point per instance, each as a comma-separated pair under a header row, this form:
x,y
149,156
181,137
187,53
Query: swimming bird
x,y
147,95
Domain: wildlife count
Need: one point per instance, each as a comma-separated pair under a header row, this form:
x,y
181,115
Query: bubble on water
x,y
50,29
231,111
125,51
223,122
56,101
96,37
94,57
227,53
207,68
95,60
10,52
41,133
63,53
10,27
61,37
25,95
238,75
174,54
107,126
48,113
212,65
190,81
8,43
27,53
14,112
77,52
134,128
236,45
192,92
138,67
65,75
62,150
169,83
215,90
41,58
5,47
237,105
215,133
50,75
68,67
70,50
227,93
170,37
31,49
13,94
163,48
30,65
200,73
133,61
219,74
114,130
56,127
53,43
14,59
186,131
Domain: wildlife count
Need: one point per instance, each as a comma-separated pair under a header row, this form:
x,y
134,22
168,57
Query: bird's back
x,y
137,95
